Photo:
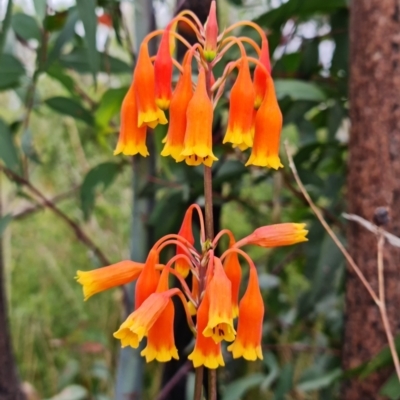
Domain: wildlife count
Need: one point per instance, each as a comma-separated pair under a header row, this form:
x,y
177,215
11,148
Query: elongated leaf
x,y
87,13
98,177
71,107
28,147
25,26
11,70
4,221
8,152
320,382
40,8
5,25
110,105
391,388
57,72
237,389
298,90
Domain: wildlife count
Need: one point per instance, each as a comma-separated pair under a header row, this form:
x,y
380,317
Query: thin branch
x,y
382,307
79,233
182,371
338,243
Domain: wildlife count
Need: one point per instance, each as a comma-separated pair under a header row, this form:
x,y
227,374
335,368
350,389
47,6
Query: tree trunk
x,y
374,180
9,383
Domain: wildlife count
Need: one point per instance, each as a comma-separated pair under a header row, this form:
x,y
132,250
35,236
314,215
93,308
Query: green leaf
x,y
298,90
110,105
4,221
57,72
237,389
100,176
391,388
320,382
8,151
71,107
25,26
11,70
285,382
87,13
28,147
5,25
72,392
40,8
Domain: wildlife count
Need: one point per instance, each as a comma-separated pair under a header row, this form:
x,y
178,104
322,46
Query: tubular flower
x,y
137,325
179,103
132,139
276,235
211,34
198,136
233,271
240,122
163,72
161,347
148,279
268,126
220,319
144,82
195,295
260,75
251,313
108,277
206,351
181,265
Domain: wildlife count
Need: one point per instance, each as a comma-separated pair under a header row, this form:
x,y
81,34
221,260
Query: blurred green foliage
x,y
59,105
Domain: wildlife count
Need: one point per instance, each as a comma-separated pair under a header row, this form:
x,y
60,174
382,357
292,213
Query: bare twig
x,y
382,307
182,371
79,233
338,243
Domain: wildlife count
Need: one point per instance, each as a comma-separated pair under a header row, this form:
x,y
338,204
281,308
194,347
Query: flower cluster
x,y
254,121
213,296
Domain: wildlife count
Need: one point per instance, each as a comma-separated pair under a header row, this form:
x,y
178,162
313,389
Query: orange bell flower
x,y
148,280
144,82
268,126
260,75
161,347
211,34
220,318
233,271
132,139
198,136
251,313
276,235
138,324
163,71
240,121
177,121
206,352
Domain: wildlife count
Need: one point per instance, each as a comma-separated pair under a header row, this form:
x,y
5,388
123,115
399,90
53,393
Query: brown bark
x,y
374,180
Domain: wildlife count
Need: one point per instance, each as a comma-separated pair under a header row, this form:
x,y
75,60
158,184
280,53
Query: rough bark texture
x,y
374,180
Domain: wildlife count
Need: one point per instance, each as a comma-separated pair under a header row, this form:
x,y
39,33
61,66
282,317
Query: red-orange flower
x,y
132,139
276,235
251,313
206,352
163,72
261,75
268,126
240,122
143,79
211,34
177,122
220,318
198,136
148,280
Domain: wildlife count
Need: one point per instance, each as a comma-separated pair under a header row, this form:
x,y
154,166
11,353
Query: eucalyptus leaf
x,y
11,71
8,151
237,389
71,107
25,26
391,388
4,221
298,90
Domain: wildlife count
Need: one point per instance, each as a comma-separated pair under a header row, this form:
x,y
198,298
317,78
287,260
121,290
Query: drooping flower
x,y
160,337
177,125
268,126
132,138
220,318
198,137
241,105
276,235
163,71
260,75
138,324
206,351
211,34
251,313
143,79
100,279
148,280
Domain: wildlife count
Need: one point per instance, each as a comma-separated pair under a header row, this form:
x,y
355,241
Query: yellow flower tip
x,y
209,55
163,354
182,268
173,151
127,337
301,233
211,361
118,149
88,287
152,118
132,149
191,308
163,103
220,331
235,311
274,162
248,352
